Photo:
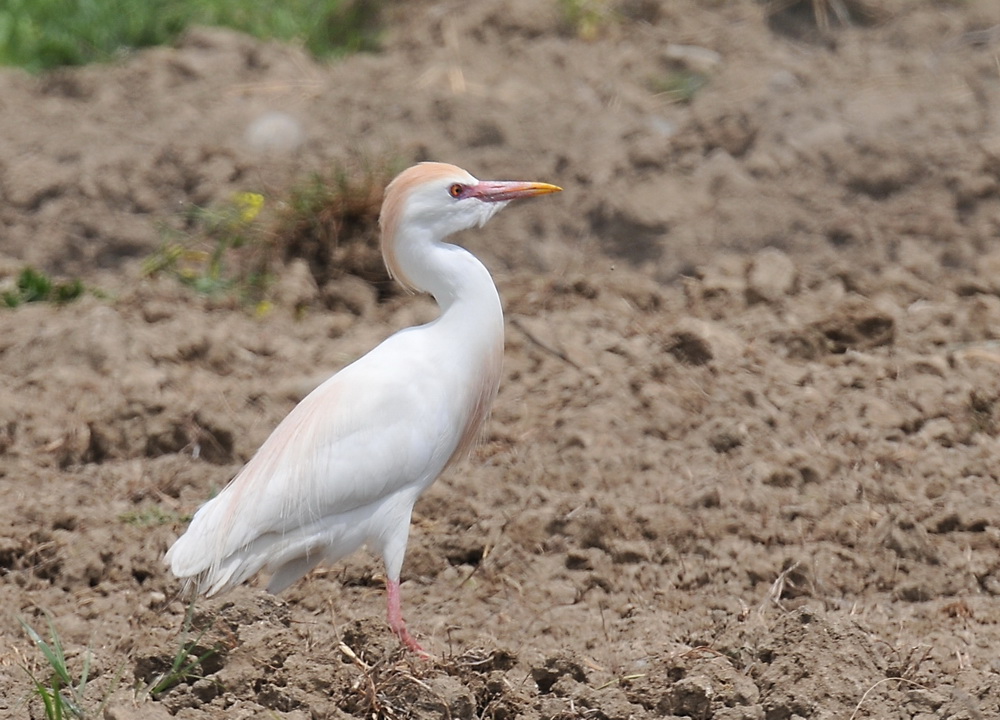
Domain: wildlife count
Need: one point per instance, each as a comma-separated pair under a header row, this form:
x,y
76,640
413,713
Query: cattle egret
x,y
347,464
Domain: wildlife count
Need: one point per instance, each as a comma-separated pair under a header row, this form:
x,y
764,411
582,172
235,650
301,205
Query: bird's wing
x,y
375,428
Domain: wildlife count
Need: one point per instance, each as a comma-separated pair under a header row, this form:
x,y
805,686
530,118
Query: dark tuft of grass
x,y
330,220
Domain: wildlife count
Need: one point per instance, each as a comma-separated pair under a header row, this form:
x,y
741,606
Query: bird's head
x,y
440,199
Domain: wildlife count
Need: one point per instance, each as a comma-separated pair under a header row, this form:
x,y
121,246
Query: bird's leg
x,y
396,618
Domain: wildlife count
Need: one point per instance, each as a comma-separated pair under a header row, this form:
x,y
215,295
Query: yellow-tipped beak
x,y
506,190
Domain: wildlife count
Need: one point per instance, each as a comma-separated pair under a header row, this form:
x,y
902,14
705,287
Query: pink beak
x,y
505,190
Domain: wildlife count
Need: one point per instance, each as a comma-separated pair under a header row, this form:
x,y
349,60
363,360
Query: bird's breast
x,y
476,388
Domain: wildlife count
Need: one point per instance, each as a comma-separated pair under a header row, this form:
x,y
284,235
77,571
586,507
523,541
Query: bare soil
x,y
744,463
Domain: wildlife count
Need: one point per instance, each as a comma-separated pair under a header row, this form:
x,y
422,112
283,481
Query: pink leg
x,y
396,618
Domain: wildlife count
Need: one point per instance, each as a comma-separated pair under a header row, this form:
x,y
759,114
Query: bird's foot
x,y
404,637
396,619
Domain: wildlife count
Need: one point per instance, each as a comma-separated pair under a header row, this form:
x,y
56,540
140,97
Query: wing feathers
x,y
349,445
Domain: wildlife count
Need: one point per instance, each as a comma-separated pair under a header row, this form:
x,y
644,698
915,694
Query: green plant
x,y
680,85
62,695
228,250
43,34
330,220
35,286
587,18
151,516
188,662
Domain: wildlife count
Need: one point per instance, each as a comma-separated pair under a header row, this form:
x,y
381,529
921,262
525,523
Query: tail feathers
x,y
232,571
187,558
209,576
288,557
207,544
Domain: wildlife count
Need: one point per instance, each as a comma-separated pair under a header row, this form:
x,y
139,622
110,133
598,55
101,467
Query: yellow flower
x,y
263,309
249,204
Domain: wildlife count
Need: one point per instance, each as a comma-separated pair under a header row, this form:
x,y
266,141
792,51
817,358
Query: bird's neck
x,y
471,323
456,279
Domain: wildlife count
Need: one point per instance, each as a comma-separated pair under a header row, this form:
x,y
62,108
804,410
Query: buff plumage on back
x,y
484,393
396,194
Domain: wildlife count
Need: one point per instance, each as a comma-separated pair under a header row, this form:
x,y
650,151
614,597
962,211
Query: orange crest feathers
x,y
396,194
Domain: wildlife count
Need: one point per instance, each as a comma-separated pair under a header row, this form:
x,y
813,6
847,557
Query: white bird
x,y
347,464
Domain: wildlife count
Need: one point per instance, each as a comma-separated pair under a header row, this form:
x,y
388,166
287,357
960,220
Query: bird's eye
x,y
456,190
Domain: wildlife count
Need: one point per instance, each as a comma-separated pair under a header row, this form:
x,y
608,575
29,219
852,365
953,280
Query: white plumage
x,y
346,466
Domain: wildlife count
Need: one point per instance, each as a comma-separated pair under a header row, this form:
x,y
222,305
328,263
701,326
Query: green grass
x,y
151,516
187,665
61,693
226,251
679,86
35,286
587,19
190,661
43,34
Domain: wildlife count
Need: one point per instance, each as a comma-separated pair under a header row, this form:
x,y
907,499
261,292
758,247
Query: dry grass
x,y
329,219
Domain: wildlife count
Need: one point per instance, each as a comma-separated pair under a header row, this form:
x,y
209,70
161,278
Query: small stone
x,y
771,276
155,311
296,288
784,81
940,431
275,133
692,57
101,338
692,696
855,323
350,293
880,414
123,706
697,342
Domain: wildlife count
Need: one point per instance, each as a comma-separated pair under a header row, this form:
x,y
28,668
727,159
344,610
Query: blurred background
x,y
744,459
